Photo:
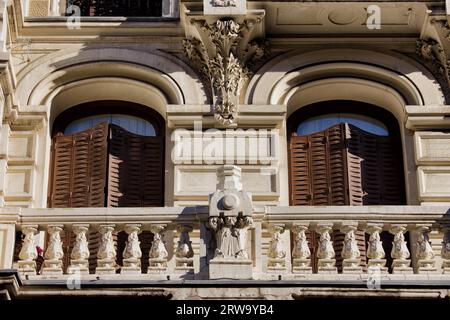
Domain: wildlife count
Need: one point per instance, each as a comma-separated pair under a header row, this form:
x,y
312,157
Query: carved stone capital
x,y
224,53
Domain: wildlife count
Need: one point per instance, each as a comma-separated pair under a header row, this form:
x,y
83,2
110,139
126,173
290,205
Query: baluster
x,y
28,253
375,250
80,252
276,254
301,254
54,253
424,254
132,253
158,253
350,251
184,252
106,263
325,251
445,252
400,252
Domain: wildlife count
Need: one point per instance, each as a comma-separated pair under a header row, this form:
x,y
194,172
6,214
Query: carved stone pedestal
x,y
426,266
276,265
400,266
27,268
351,266
184,265
446,266
52,267
377,265
131,266
327,266
78,266
157,266
302,266
237,269
106,266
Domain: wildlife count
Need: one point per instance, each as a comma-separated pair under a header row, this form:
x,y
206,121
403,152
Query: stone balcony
x,y
182,250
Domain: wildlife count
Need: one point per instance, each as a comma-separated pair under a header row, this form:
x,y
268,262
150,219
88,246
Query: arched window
x,y
345,153
107,154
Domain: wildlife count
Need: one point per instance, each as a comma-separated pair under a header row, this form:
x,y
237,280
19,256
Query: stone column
x,y
184,252
54,253
132,253
80,252
445,252
375,251
350,251
325,251
276,262
158,253
400,252
301,255
424,253
106,262
28,253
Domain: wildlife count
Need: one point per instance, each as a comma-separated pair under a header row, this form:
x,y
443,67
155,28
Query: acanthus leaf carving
x,y
222,62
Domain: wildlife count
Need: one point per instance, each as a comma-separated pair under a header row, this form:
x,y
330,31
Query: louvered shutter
x,y
79,178
135,170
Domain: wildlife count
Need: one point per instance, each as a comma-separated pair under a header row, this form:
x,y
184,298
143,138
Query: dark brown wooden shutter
x,y
345,165
135,170
79,178
79,169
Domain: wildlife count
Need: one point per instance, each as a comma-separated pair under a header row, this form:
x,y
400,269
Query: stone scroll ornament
x,y
224,64
230,215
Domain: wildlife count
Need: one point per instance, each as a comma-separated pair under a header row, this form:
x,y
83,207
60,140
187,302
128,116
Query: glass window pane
x,y
132,124
320,123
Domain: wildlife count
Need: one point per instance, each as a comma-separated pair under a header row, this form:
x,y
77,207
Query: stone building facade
x,y
224,149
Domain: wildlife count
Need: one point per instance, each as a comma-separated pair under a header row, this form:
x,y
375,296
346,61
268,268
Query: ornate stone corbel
x,y
224,54
325,251
400,252
301,262
433,56
28,253
375,250
80,253
106,255
54,253
132,253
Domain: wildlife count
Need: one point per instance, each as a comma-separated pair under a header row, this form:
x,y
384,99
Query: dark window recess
x,y
105,166
344,165
118,8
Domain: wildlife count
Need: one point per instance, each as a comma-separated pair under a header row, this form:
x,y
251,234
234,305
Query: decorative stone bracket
x,y
225,50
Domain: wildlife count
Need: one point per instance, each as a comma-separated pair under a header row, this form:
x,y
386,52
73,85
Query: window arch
x,y
107,153
345,153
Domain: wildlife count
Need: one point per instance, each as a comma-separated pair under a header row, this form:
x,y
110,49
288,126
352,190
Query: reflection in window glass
x,y
132,124
320,123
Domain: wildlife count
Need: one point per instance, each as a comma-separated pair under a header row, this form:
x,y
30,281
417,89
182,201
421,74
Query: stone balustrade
x,y
280,241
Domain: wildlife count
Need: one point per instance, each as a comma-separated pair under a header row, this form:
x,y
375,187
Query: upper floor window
x,y
116,8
